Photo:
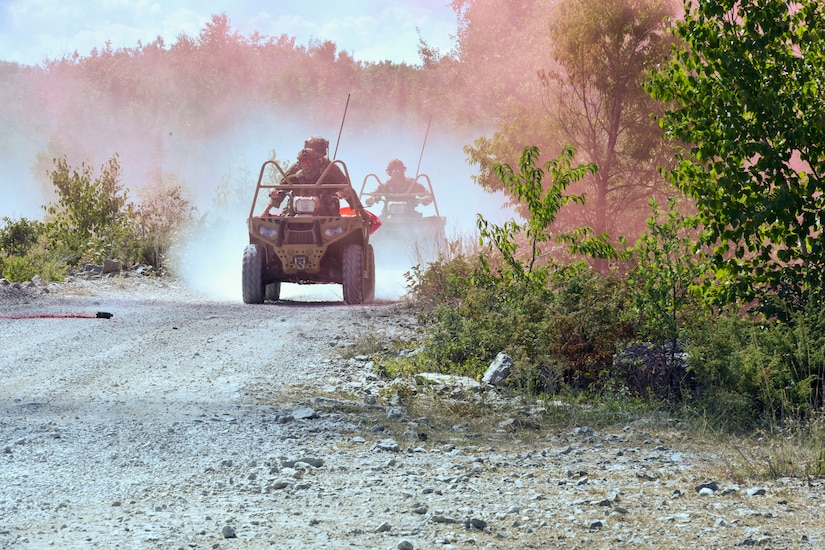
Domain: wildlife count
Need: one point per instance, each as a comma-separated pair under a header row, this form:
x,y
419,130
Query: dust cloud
x,y
212,129
17,204
227,164
210,259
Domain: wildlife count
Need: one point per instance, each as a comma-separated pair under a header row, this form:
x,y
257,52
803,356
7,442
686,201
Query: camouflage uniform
x,y
399,184
311,164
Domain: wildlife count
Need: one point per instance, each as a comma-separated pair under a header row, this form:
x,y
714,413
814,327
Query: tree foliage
x,y
744,93
159,220
666,273
500,47
604,50
157,88
589,94
544,203
180,99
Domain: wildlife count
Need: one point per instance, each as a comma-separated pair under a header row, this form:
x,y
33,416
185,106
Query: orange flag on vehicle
x,y
375,221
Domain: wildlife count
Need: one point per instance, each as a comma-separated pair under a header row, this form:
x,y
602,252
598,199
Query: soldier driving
x,y
311,165
400,189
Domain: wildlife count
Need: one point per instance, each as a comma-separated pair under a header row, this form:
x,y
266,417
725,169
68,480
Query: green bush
x,y
588,316
777,366
563,334
89,222
666,275
18,237
441,282
24,268
23,254
93,220
468,325
560,325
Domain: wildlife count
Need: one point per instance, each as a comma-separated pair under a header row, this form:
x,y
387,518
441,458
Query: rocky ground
x,y
182,422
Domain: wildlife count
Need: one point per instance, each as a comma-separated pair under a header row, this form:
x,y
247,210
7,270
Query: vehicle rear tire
x,y
369,291
252,275
272,291
353,274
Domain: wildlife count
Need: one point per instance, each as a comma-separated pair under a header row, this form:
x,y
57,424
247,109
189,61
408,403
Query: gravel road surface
x,y
184,422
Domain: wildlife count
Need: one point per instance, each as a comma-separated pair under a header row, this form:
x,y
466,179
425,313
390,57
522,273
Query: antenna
x,y
418,168
341,129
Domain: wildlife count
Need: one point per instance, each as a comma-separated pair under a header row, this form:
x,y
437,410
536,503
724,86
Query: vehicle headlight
x,y
398,208
268,232
333,231
304,205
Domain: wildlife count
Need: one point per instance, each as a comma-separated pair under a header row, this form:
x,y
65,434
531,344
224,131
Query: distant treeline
x,y
523,71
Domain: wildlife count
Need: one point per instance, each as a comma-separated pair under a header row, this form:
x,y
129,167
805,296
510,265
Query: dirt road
x,y
147,414
183,422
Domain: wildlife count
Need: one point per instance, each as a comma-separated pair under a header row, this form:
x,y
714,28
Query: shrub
x,y
667,272
588,315
561,334
558,324
778,366
563,325
24,268
158,221
23,254
18,237
441,282
90,221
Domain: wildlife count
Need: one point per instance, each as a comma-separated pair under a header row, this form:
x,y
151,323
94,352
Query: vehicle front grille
x,y
302,233
300,237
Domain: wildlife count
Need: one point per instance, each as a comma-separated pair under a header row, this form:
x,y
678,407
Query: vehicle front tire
x,y
369,291
252,275
272,292
353,274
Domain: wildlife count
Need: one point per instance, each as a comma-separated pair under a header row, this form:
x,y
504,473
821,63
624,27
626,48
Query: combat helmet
x,y
319,144
396,164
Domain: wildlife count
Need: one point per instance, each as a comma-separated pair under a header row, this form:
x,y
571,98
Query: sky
x,y
32,31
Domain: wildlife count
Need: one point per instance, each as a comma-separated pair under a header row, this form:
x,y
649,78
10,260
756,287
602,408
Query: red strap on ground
x,y
98,315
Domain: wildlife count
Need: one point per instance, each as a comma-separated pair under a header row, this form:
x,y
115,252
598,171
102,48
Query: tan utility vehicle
x,y
306,243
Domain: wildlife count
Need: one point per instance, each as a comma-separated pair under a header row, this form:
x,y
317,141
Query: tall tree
x,y
591,96
498,53
605,49
745,88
